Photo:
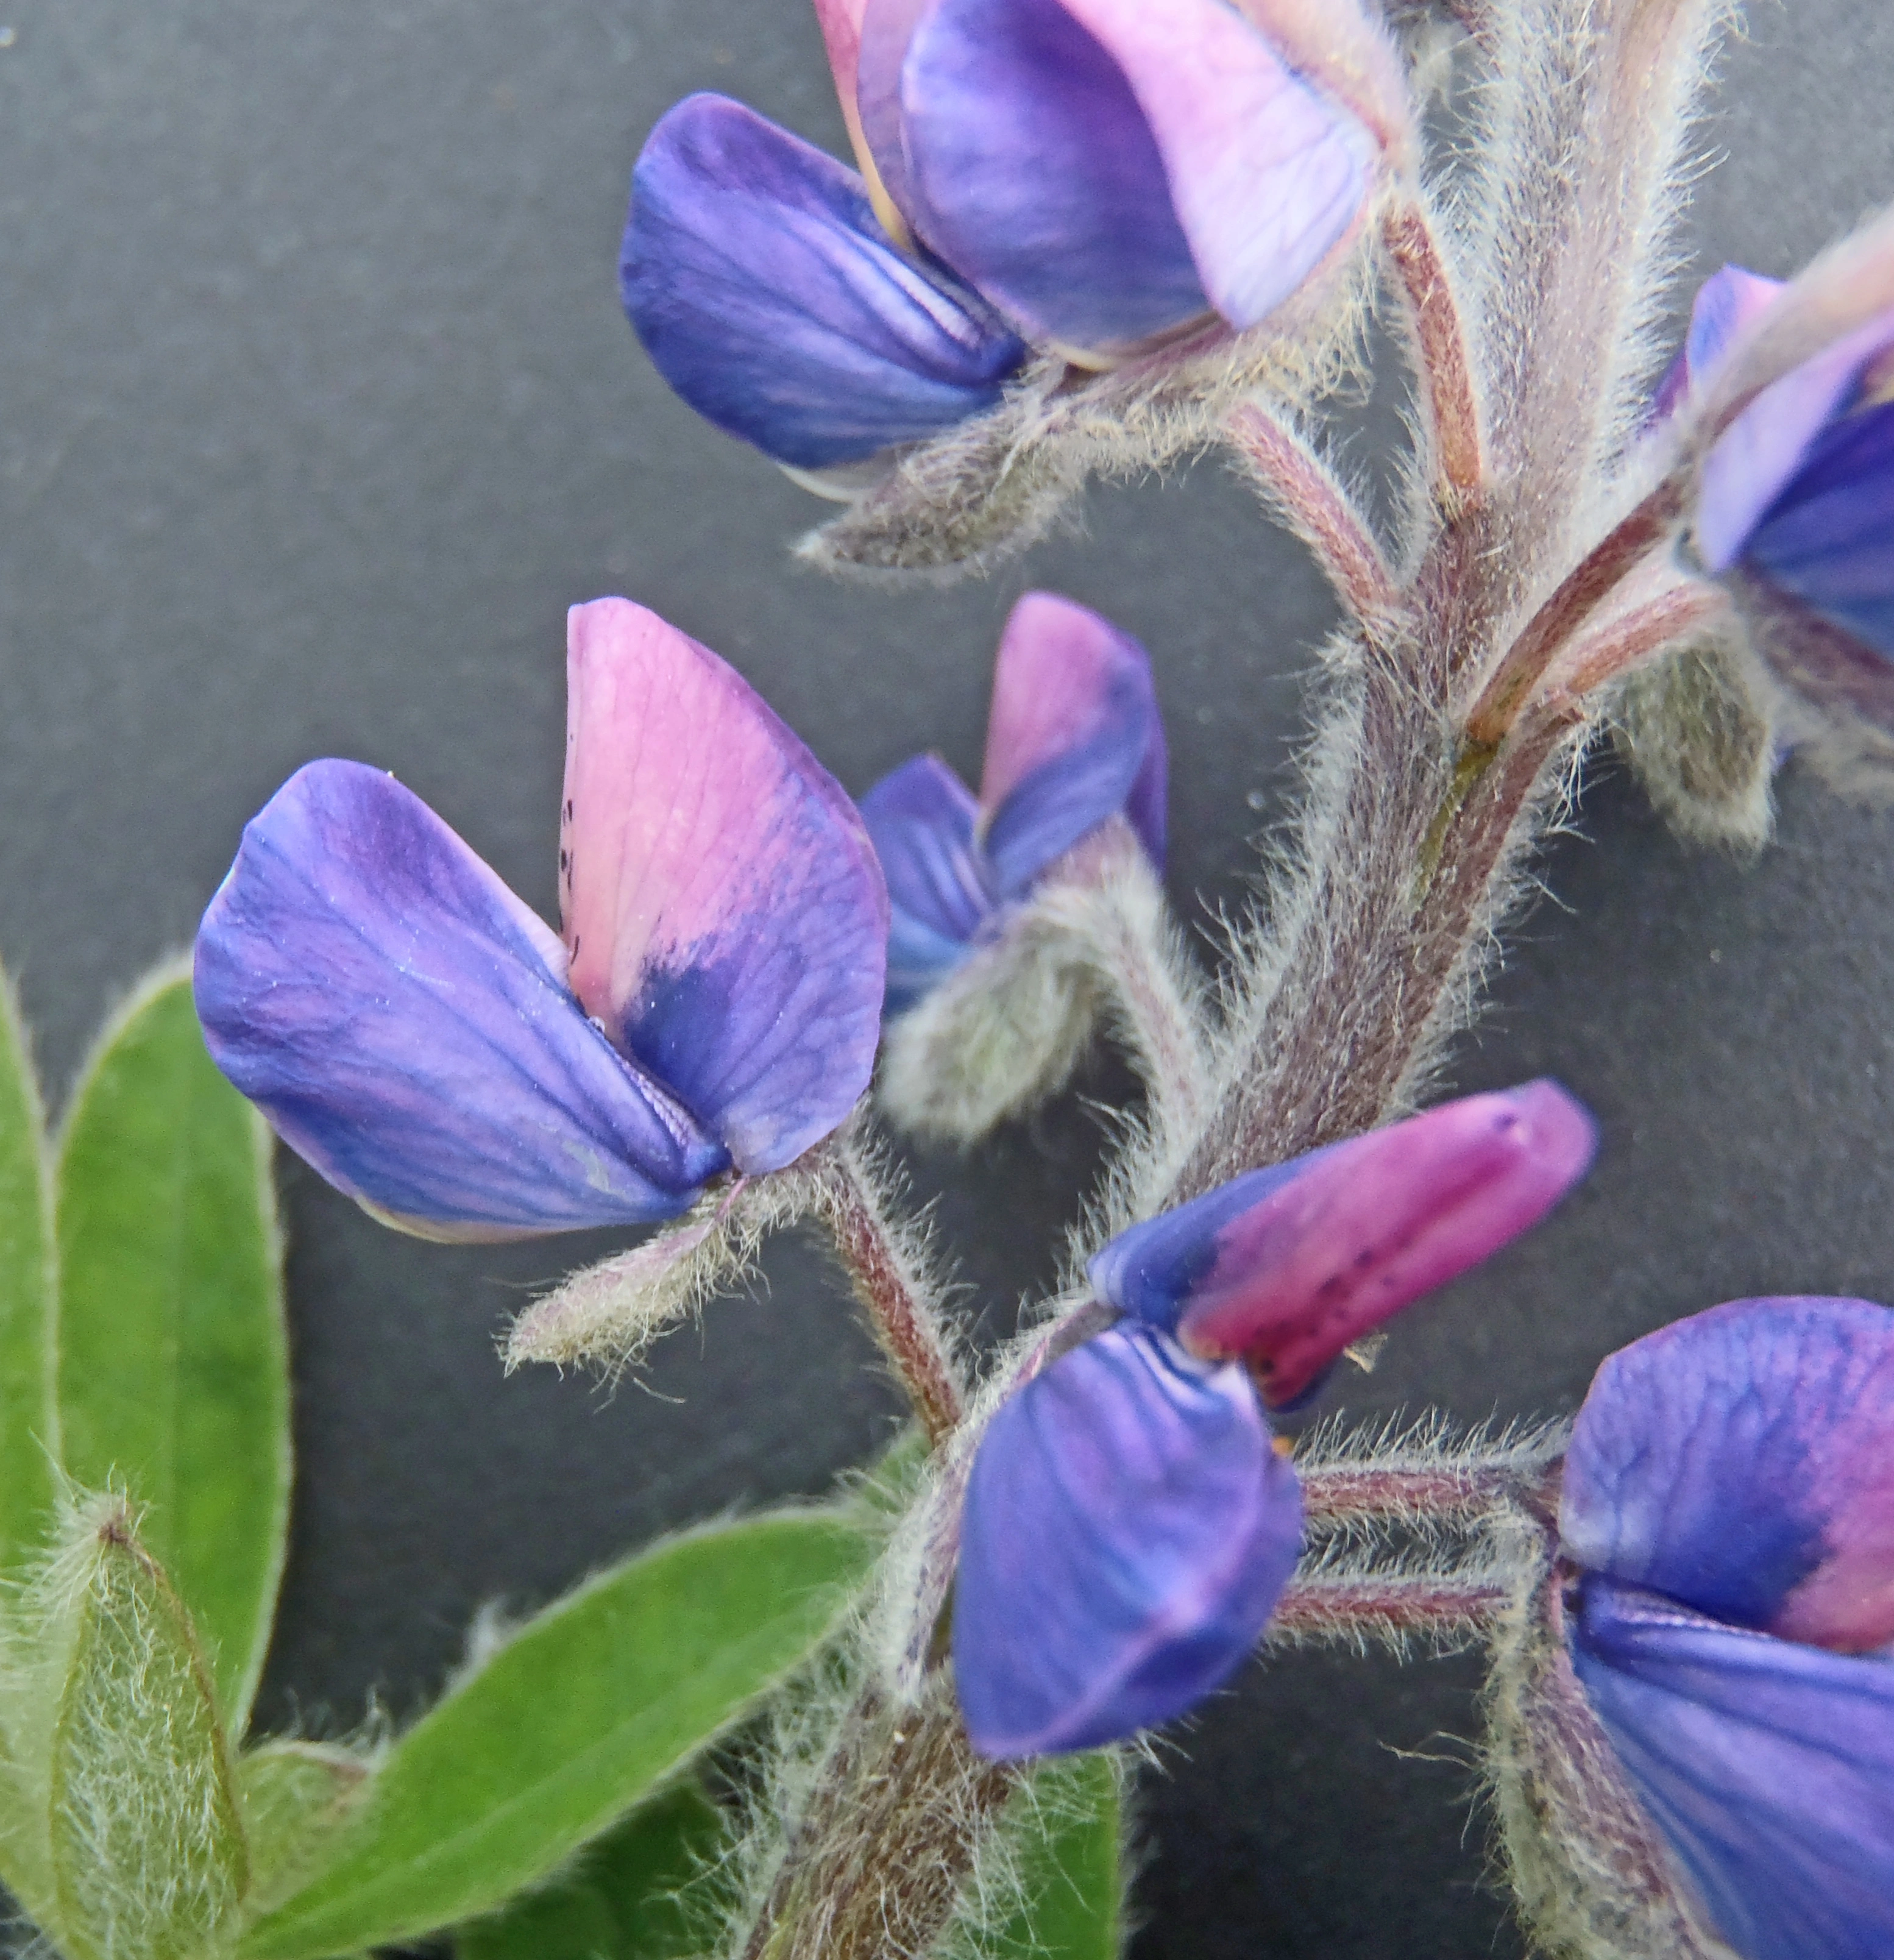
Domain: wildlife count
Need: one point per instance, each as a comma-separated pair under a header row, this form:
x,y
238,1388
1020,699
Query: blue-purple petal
x,y
1768,1766
1031,170
768,294
1075,738
1828,539
1151,1270
920,818
403,1021
1128,1529
1742,1462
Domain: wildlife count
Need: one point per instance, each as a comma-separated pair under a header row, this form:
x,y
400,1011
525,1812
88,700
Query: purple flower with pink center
x,y
1728,1507
1088,176
1073,742
1129,1525
413,1030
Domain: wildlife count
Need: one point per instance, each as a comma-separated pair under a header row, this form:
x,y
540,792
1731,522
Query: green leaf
x,y
29,1420
593,1705
623,1902
173,1370
1071,1864
148,1851
295,1797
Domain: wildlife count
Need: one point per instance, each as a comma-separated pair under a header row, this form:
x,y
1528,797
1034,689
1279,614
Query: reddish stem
x,y
1337,1490
1645,630
1446,371
1322,515
1580,594
1348,1609
882,1276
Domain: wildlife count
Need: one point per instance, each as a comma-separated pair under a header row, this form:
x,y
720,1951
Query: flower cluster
x,y
1701,1590
1086,176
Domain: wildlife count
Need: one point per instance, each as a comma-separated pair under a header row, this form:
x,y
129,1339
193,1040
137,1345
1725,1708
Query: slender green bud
x,y
148,1855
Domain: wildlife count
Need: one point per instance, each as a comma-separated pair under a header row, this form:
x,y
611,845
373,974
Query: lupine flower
x,y
1087,175
1798,491
1129,1525
1073,740
416,1033
1728,1506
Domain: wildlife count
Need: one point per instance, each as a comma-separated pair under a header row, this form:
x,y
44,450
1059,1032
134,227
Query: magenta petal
x,y
1287,1266
1128,1529
1743,1462
724,912
1768,1766
1073,737
403,1021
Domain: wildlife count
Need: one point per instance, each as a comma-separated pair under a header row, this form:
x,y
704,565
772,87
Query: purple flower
x,y
1129,1525
1728,1506
1088,175
1073,740
414,1031
1797,493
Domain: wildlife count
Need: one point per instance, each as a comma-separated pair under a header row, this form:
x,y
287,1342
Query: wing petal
x,y
765,290
403,1021
920,817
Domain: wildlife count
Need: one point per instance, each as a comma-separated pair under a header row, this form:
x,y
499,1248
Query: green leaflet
x,y
295,1797
29,1422
1069,1864
622,1902
592,1706
147,1850
172,1375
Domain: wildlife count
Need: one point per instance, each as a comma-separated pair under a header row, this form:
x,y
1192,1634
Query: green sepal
x,y
29,1418
628,1899
593,1706
1070,1864
147,1844
173,1360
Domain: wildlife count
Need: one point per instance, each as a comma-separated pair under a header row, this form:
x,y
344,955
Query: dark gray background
x,y
316,409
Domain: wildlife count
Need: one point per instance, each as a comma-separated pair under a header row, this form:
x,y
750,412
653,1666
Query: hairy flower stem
x,y
1580,594
1528,327
1335,1493
874,1865
1441,351
1397,1608
1298,484
1111,905
886,1270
